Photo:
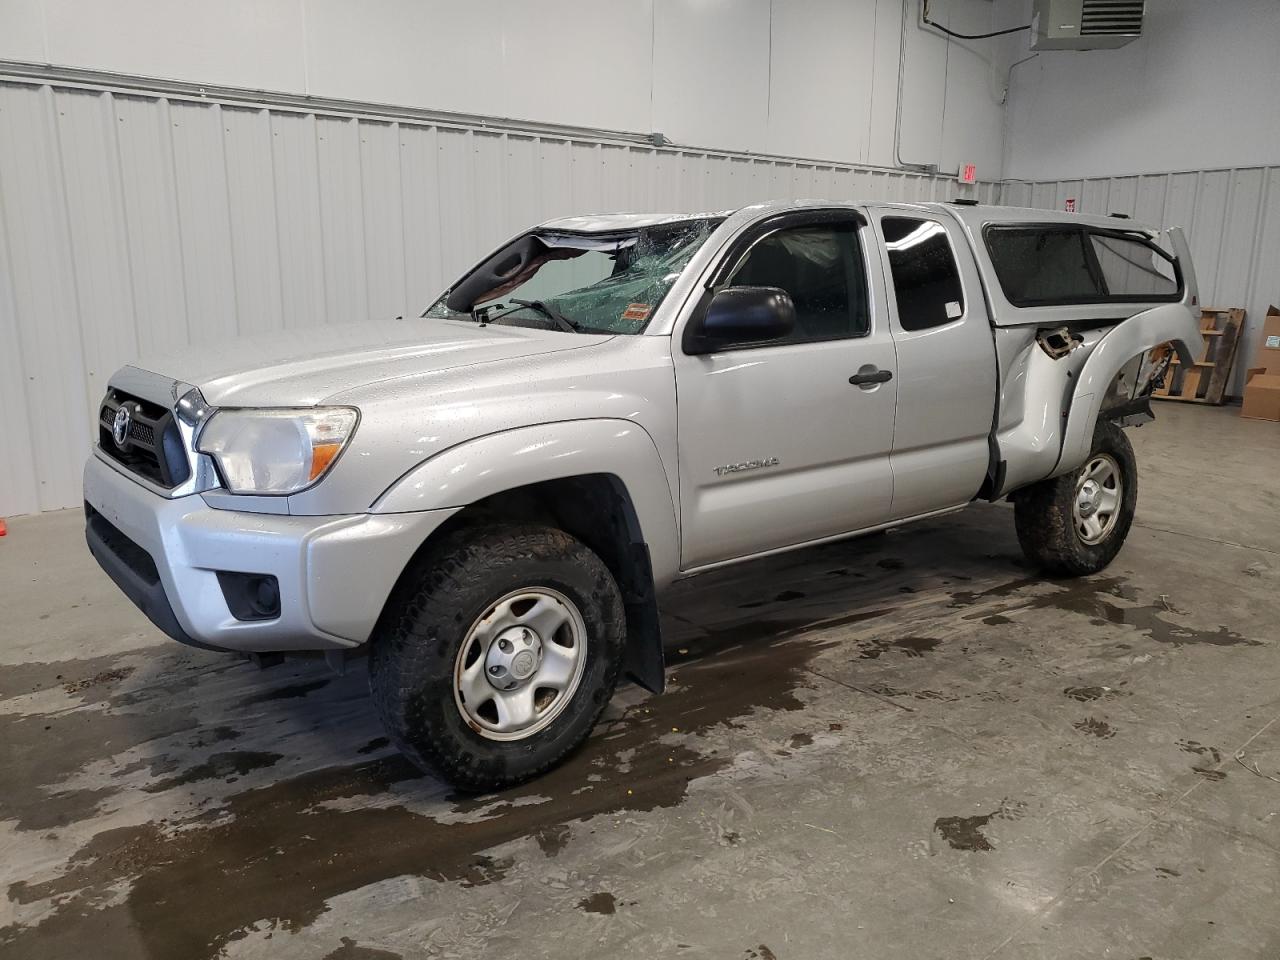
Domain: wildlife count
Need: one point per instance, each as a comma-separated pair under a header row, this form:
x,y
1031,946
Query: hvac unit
x,y
1085,24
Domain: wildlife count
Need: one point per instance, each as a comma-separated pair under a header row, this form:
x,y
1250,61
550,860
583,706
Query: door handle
x,y
870,376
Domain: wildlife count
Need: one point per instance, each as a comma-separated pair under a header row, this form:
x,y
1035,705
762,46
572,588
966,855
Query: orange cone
x,y
3,528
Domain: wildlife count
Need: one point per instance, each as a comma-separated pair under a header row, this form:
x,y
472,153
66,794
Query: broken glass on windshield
x,y
592,283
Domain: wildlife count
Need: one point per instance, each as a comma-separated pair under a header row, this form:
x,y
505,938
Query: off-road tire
x,y
1043,513
416,643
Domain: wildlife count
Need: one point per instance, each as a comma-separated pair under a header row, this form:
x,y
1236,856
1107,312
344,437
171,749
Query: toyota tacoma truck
x,y
489,499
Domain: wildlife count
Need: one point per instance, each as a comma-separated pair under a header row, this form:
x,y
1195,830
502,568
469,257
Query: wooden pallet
x,y
1205,381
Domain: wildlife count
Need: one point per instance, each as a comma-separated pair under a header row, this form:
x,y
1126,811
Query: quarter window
x,y
926,280
1132,268
1043,266
820,267
1062,264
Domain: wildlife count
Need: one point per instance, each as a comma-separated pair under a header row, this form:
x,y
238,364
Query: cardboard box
x,y
1262,397
1268,358
1262,381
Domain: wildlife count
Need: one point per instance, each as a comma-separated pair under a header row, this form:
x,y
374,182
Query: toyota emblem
x,y
120,426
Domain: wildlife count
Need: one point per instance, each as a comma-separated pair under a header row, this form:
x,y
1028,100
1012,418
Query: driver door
x,y
777,445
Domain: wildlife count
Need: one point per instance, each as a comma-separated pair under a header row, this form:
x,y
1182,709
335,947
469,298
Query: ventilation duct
x,y
1085,24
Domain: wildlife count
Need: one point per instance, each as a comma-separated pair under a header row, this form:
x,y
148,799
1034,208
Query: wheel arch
x,y
601,481
1172,323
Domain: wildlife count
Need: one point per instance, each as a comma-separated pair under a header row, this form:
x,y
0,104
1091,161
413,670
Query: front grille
x,y
142,433
152,444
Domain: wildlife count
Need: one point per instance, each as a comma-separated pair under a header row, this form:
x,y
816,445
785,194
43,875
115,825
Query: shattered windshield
x,y
584,282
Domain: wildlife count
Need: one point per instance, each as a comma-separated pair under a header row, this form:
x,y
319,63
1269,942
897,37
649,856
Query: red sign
x,y
969,173
1070,205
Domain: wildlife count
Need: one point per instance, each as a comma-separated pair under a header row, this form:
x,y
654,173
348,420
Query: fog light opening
x,y
250,596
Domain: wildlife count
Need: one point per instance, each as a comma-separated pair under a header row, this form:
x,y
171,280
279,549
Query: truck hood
x,y
306,367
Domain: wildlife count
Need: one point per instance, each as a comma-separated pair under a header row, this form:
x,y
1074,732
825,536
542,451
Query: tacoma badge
x,y
746,465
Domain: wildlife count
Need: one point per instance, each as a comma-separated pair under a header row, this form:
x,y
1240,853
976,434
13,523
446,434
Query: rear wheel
x,y
1075,524
497,654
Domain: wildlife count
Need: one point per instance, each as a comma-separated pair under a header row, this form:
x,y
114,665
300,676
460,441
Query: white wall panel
x,y
145,147
380,192
24,30
251,212
296,180
1232,219
43,275
710,71
437,52
819,47
99,239
420,197
140,223
1195,91
341,217
252,44
204,221
606,45
19,483
805,78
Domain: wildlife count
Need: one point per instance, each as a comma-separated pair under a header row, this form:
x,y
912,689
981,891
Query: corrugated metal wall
x,y
1232,219
140,222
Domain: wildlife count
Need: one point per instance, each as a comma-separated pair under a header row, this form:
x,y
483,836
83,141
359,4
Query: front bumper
x,y
334,573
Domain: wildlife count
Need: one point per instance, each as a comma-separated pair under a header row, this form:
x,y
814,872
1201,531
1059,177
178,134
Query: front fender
x,y
1172,323
479,468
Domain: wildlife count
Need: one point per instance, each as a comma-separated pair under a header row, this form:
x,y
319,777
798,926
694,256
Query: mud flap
x,y
643,661
1131,413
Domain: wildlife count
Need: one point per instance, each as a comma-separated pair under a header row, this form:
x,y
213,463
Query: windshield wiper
x,y
550,312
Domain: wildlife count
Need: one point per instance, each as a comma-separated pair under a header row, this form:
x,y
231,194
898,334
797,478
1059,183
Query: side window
x,y
1133,268
1039,265
926,280
821,268
1044,265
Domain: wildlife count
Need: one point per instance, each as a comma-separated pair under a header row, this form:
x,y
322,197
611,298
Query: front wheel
x,y
1075,524
498,652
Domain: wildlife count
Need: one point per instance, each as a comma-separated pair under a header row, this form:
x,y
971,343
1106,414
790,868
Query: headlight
x,y
276,451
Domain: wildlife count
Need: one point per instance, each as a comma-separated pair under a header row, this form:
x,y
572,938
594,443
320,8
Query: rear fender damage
x,y
1101,378
1068,384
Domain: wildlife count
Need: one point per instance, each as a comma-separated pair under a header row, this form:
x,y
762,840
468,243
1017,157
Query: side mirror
x,y
739,315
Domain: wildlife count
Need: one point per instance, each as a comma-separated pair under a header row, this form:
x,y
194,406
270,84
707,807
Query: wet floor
x,y
909,745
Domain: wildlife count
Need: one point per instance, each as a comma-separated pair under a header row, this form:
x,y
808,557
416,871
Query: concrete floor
x,y
908,746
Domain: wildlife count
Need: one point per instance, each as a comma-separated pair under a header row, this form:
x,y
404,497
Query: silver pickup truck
x,y
490,498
